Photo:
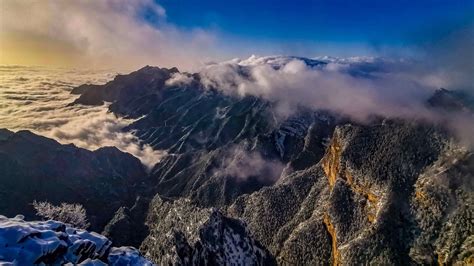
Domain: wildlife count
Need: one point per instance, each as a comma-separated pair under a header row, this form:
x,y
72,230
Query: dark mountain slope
x,y
38,168
126,91
452,101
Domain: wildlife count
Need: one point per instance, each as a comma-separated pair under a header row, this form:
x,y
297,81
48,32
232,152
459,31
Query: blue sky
x,y
190,33
335,27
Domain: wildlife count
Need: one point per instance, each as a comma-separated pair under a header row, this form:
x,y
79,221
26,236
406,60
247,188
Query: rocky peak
x,y
451,101
181,233
123,89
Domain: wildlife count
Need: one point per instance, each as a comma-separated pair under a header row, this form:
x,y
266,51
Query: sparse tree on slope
x,y
73,214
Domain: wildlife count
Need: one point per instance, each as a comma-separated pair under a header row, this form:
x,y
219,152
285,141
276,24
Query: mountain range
x,y
241,184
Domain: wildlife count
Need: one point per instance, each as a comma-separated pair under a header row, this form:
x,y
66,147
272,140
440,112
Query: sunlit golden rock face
x,y
332,161
335,256
334,169
364,190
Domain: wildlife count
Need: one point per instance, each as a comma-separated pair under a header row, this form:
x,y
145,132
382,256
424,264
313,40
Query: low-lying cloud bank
x,y
103,129
36,99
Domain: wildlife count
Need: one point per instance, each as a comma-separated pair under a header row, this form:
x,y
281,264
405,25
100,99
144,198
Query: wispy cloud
x,y
241,164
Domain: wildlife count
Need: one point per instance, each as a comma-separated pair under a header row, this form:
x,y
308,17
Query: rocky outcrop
x,y
354,206
55,243
38,168
442,207
452,101
127,227
183,234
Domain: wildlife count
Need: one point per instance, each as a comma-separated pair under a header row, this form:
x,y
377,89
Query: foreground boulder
x,y
53,242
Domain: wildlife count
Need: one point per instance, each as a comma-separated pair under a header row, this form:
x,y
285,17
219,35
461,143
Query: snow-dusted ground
x,y
53,242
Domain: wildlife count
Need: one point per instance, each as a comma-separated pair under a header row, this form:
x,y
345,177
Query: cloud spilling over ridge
x,y
358,88
99,33
105,129
242,165
37,99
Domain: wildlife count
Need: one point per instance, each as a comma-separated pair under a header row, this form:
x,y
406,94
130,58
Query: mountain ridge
x,y
241,183
39,168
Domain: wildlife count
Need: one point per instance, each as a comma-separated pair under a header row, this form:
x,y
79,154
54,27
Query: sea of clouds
x,y
37,98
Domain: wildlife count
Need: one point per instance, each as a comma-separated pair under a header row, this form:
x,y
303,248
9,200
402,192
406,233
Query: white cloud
x,y
358,88
241,164
290,82
179,79
101,129
107,33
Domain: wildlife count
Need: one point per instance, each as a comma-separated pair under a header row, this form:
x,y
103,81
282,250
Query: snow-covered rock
x,y
127,256
184,234
53,242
